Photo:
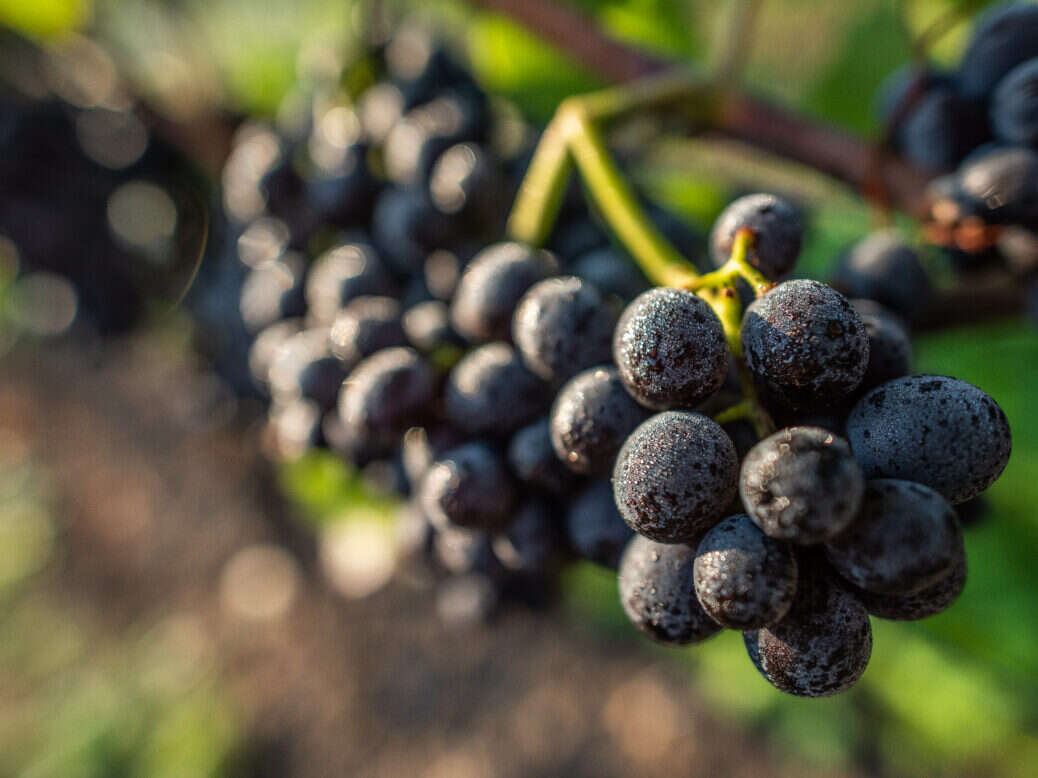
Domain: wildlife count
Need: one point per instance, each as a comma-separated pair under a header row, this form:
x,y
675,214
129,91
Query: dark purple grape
x,y
675,476
491,287
805,343
882,267
405,226
534,462
490,392
777,227
941,129
670,349
467,184
890,349
823,644
387,392
937,431
532,542
468,487
1003,37
342,273
563,326
294,427
744,579
592,416
1002,185
364,326
305,367
265,348
906,538
273,291
802,484
1014,107
596,530
658,594
612,272
427,327
928,601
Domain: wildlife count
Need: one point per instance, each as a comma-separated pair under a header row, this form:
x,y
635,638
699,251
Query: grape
x,y
937,431
658,594
380,107
1002,185
442,271
420,447
1014,107
428,328
461,551
576,237
364,326
304,367
804,342
592,416
387,392
491,287
942,129
670,349
467,184
928,601
906,538
533,460
973,512
294,427
421,64
611,272
490,391
563,326
273,291
345,190
404,225
532,542
884,268
778,232
890,350
342,273
911,78
744,579
675,476
468,487
264,239
802,484
596,529
1003,37
265,347
823,644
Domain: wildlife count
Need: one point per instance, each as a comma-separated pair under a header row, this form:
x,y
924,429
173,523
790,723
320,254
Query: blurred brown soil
x,y
161,486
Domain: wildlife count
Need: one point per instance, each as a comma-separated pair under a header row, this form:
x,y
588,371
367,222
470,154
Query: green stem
x,y
741,410
737,266
542,189
658,259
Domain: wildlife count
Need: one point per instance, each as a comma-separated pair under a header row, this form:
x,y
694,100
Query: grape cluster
x,y
780,472
976,129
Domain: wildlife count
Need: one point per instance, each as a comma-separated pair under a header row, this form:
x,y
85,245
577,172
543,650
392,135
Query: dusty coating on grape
x,y
467,487
563,326
595,528
491,287
670,349
387,391
805,342
364,326
744,579
658,593
938,431
675,476
591,418
490,391
801,484
905,538
926,602
533,460
777,227
823,644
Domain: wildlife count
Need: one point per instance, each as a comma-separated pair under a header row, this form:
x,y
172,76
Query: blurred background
x,y
172,603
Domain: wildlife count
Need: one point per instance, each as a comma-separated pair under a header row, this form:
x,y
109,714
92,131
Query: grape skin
x,y
468,487
595,528
490,391
882,267
778,231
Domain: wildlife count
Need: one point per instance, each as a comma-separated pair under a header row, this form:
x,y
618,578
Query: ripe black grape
x,y
404,226
491,287
937,431
532,542
364,326
928,601
1005,36
942,128
304,367
533,460
273,291
490,391
670,349
428,328
905,538
890,350
823,644
882,267
1014,107
675,476
777,227
563,326
611,272
342,273
658,594
592,416
468,487
467,184
265,348
1002,185
802,484
744,579
387,392
596,530
805,343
